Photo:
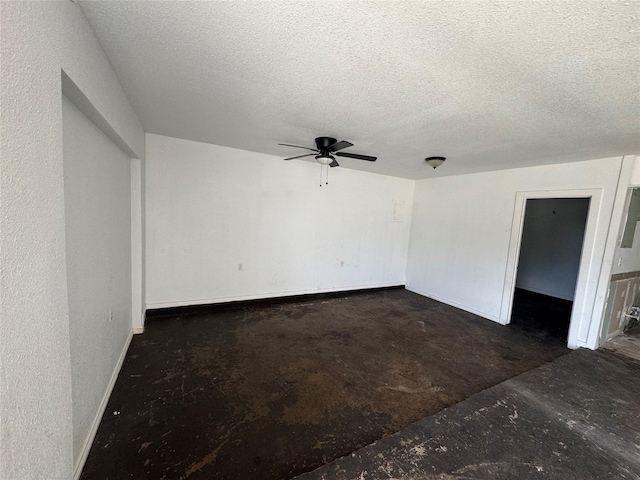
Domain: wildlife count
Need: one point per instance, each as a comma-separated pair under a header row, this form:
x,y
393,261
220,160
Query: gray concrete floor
x,y
627,344
575,418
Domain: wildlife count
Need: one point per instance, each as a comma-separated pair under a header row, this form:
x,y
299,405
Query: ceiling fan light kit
x,y
325,159
435,162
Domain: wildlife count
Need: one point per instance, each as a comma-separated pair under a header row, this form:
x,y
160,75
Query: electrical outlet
x,y
110,315
239,266
619,261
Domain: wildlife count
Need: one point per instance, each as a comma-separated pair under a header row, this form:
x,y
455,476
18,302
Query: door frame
x,y
588,273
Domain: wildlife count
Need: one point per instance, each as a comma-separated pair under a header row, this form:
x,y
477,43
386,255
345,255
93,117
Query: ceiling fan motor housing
x,y
323,143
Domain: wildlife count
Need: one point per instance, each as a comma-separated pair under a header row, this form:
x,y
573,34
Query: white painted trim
x,y
587,274
454,304
259,296
609,250
137,317
103,405
634,181
138,330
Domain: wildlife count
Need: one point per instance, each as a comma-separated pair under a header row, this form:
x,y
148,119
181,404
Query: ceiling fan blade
x,y
355,155
300,156
334,163
298,146
340,145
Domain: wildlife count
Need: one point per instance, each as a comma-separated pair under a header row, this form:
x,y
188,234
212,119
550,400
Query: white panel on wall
x,y
98,251
551,245
226,224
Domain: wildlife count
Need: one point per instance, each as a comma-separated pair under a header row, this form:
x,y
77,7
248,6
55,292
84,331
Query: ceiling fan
x,y
326,147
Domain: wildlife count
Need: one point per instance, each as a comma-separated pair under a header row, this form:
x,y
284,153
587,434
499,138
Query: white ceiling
x,y
490,85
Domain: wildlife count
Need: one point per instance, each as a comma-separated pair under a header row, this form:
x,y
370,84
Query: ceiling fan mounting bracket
x,y
324,143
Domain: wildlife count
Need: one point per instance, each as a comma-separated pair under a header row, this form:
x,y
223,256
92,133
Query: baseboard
x,y
493,318
103,405
546,294
262,296
138,324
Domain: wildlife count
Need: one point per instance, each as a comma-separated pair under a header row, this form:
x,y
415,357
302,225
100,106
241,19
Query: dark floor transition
x,y
272,391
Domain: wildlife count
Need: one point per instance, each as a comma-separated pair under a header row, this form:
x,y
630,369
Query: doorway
x,y
551,245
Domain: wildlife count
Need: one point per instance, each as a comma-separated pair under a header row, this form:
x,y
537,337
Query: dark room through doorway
x,y
548,263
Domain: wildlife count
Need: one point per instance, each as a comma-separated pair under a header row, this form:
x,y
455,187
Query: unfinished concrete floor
x,y
575,418
273,391
627,344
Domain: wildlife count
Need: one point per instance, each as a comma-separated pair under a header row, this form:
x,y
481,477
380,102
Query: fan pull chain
x,y
326,180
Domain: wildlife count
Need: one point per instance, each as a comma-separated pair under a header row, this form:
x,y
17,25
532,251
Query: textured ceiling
x,y
490,85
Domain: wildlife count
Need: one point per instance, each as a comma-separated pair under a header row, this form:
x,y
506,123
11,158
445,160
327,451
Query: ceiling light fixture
x,y
435,162
325,159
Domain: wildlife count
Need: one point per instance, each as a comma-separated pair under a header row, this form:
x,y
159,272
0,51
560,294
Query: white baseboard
x,y
103,405
488,316
260,296
138,330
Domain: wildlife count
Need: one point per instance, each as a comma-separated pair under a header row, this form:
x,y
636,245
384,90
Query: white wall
x,y
551,245
212,208
39,40
462,225
97,194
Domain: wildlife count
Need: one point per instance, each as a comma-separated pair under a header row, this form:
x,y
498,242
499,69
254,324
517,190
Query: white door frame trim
x,y
588,273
